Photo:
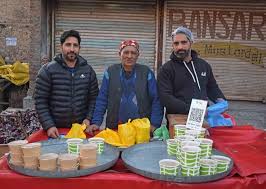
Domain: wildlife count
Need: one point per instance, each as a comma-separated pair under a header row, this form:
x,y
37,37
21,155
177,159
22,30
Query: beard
x,y
182,54
71,56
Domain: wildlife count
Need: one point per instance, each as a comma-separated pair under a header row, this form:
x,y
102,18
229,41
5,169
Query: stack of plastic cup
x,y
179,130
180,139
48,162
31,153
189,159
171,147
16,152
73,145
99,142
190,171
223,163
207,166
169,167
206,147
190,156
68,162
88,155
193,132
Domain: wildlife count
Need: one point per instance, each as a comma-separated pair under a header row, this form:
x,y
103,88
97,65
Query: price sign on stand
x,y
196,114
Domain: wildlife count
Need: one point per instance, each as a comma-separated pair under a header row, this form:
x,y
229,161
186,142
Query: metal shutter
x,y
104,24
238,79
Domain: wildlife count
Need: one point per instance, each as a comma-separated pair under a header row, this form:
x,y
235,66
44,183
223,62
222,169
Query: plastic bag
x,y
76,131
142,127
161,133
110,137
127,133
215,117
218,108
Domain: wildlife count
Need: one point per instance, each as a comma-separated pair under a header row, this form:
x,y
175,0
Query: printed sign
x,y
11,41
196,114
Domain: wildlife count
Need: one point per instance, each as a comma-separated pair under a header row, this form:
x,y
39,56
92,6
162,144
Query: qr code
x,y
196,114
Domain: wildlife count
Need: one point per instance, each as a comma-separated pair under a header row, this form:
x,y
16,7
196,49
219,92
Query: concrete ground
x,y
248,113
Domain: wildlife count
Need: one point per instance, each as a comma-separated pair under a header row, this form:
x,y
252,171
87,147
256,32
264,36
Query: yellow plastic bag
x,y
127,133
76,131
110,137
142,127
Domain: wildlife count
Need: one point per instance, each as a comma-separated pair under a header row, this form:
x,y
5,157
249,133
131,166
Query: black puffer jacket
x,y
177,88
62,97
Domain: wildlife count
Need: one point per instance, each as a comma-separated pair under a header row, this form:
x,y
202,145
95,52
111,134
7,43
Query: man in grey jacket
x,y
66,88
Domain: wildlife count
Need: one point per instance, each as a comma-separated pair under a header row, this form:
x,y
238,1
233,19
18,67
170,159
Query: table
x,y
120,177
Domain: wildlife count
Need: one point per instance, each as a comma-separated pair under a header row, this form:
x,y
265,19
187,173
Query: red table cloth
x,y
228,140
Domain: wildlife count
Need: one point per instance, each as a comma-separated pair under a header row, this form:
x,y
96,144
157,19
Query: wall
x,y
21,20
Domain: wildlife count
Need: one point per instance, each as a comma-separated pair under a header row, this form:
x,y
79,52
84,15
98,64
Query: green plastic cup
x,y
222,163
179,140
202,133
171,147
190,171
193,132
206,147
100,143
73,145
190,155
169,167
207,166
179,130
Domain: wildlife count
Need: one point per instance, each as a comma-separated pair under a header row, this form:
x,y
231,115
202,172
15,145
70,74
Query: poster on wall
x,y
11,41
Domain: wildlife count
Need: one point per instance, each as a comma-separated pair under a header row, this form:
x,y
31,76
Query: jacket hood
x,y
173,57
59,58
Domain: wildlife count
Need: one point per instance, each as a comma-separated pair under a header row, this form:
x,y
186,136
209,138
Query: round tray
x,y
144,159
104,161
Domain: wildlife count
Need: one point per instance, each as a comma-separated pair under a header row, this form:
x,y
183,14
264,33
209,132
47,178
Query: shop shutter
x,y
239,22
104,24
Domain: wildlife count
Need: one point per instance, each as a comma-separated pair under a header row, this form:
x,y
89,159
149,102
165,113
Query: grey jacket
x,y
63,97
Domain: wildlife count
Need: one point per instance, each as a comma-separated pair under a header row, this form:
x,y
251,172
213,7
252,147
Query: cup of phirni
x,y
100,143
206,147
180,139
88,155
68,162
193,132
15,146
190,171
171,147
169,167
31,162
73,145
207,166
16,152
179,130
48,162
223,163
32,149
189,156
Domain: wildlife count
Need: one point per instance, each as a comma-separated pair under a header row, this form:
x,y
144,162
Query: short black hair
x,y
70,33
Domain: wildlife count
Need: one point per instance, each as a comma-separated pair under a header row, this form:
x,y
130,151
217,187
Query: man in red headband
x,y
128,91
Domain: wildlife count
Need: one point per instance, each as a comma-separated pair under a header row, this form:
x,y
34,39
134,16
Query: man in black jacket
x,y
185,76
66,88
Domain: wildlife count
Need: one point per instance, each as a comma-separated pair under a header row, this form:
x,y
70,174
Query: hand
x,y
52,132
86,122
90,129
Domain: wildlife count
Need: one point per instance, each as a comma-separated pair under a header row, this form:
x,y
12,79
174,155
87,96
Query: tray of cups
x,y
61,158
157,161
